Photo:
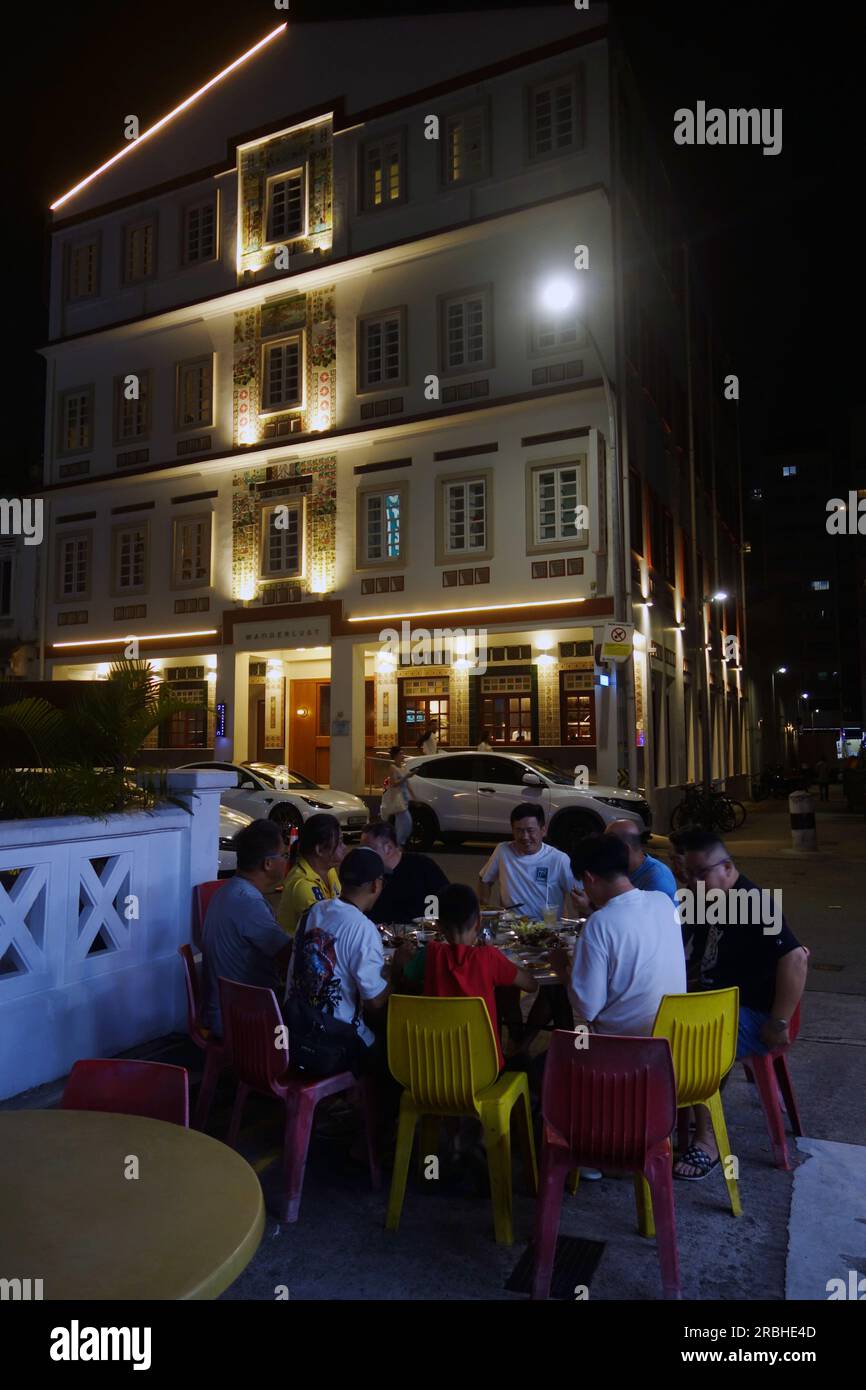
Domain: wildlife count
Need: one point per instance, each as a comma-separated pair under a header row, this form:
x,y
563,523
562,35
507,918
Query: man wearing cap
x,y
646,873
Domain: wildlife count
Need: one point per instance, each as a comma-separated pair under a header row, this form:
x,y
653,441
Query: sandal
x,y
697,1158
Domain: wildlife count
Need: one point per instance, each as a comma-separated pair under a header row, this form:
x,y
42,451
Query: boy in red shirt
x,y
460,966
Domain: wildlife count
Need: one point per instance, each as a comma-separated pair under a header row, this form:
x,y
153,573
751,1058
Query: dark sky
x,y
775,234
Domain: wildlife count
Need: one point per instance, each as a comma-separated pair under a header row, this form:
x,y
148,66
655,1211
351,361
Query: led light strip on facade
x,y
151,130
476,608
143,637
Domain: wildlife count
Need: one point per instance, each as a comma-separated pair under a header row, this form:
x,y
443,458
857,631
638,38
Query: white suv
x,y
465,796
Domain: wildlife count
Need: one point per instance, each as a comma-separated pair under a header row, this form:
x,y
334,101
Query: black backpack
x,y
319,1043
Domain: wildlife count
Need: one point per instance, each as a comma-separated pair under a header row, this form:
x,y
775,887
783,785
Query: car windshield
x,y
281,777
553,774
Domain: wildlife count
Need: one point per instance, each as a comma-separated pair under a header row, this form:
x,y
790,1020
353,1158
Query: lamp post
x,y
558,295
779,671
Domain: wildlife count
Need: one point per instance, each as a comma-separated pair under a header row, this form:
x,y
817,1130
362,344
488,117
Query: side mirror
x,y
532,779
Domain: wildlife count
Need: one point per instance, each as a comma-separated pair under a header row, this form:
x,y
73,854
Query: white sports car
x,y
230,823
276,793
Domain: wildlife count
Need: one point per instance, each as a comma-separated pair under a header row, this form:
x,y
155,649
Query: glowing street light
x,y
558,294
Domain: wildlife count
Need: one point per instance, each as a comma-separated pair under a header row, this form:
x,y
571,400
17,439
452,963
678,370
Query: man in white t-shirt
x,y
531,875
630,952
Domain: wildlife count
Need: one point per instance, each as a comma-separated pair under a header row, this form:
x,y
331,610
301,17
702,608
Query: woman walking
x,y
395,801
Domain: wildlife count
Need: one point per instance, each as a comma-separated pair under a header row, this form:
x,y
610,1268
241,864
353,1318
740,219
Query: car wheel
x,y
567,830
288,819
425,828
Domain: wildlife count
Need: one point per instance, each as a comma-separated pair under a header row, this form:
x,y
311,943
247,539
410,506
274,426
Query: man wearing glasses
x,y
242,939
750,949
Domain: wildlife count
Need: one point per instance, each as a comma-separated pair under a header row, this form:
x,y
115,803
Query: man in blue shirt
x,y
643,871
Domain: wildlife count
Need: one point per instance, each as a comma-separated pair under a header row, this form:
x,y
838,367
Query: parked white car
x,y
230,823
267,791
465,796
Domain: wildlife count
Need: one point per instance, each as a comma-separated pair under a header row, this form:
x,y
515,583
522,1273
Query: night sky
x,y
775,235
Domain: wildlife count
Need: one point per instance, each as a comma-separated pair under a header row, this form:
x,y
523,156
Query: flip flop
x,y
697,1158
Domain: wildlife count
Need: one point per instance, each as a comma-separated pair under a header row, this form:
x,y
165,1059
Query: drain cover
x,y
575,1263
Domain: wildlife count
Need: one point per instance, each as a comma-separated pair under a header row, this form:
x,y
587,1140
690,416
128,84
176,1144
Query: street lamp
x,y
779,671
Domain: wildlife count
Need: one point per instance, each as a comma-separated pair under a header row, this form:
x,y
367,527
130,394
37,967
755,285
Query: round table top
x,y
184,1228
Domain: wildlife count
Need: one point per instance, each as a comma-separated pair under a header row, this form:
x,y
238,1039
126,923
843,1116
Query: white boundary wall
x,y
61,999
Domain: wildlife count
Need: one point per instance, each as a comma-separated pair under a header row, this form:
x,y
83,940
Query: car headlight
x,y
319,805
620,803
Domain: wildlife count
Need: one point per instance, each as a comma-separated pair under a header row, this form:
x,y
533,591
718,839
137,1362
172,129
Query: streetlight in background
x,y
779,671
558,294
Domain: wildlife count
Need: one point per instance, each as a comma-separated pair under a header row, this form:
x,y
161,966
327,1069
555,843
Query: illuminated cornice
x,y
117,641
476,608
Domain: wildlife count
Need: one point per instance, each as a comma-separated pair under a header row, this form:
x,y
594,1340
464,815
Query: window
x,y
820,584
757,494
465,516
382,177
131,407
186,728
191,551
6,564
635,513
73,566
789,470
556,493
139,251
551,331
381,523
466,145
283,540
200,232
577,712
76,420
83,270
130,558
195,393
380,351
465,332
419,712
281,374
509,720
287,206
553,118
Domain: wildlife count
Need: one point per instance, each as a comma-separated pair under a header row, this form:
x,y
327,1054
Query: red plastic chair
x,y
213,1048
122,1087
201,896
610,1105
770,1074
251,1020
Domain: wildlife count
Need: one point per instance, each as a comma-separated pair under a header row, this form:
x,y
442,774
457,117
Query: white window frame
x,y
464,298
293,504
369,321
271,406
197,207
129,231
273,238
119,590
120,404
74,295
82,539
362,553
448,488
454,120
551,85
536,544
187,365
83,393
198,519
545,324
390,140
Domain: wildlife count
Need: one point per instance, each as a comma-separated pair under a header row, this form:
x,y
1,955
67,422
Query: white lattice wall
x,y
91,916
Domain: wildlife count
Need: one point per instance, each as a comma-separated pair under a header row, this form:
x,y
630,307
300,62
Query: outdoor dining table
x,y
104,1206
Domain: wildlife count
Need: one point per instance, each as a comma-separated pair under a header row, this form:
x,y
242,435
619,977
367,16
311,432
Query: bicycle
x,y
712,810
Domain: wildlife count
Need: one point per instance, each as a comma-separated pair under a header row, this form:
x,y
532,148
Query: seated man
x,y
643,871
241,939
752,949
629,953
314,875
459,966
410,879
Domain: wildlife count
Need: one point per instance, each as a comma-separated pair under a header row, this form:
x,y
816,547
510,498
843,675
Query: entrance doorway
x,y
310,727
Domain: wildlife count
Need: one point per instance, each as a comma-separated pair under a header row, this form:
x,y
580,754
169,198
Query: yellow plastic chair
x,y
443,1052
702,1031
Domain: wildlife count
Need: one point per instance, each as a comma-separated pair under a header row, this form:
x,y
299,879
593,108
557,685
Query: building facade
x,y
409,356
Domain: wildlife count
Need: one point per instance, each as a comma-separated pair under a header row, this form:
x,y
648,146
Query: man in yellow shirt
x,y
313,878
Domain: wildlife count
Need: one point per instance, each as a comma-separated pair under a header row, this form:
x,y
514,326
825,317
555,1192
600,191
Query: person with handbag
x,y
395,800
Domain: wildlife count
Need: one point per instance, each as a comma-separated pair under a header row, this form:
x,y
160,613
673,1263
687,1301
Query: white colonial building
x,y
349,343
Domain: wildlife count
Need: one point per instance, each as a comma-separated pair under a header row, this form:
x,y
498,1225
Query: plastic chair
x,y
201,896
443,1052
119,1086
771,1076
213,1049
251,1024
702,1031
610,1105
